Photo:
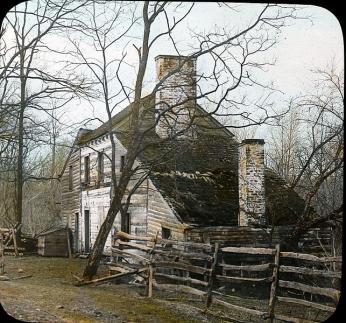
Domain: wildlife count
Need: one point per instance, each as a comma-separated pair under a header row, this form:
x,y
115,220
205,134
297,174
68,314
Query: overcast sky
x,y
304,45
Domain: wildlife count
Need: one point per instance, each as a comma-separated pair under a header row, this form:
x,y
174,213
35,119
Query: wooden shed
x,y
54,243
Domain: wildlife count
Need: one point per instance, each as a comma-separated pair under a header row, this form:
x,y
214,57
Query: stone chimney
x,y
176,95
251,183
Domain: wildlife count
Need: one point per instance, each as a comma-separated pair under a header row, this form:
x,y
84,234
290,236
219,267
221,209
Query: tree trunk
x,y
96,253
19,177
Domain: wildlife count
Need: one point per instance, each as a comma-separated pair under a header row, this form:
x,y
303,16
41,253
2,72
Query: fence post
x,y
14,235
150,268
274,284
212,275
150,280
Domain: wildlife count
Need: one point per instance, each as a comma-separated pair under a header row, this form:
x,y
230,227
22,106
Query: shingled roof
x,y
199,176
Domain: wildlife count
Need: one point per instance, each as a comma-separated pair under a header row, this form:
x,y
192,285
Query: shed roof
x,y
51,230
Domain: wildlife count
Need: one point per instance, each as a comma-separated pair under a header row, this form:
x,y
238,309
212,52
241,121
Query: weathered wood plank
x,y
212,275
261,267
196,245
310,271
305,256
182,279
150,280
306,303
253,251
243,279
182,266
134,245
188,255
123,235
292,319
125,254
329,292
240,308
111,277
273,287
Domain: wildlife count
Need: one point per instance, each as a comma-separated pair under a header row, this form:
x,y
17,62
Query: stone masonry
x,y
176,95
251,183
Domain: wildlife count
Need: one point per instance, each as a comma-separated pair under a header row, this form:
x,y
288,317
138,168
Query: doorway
x,y
125,222
76,231
86,231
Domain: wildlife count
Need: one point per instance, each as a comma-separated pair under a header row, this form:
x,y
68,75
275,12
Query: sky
x,y
305,45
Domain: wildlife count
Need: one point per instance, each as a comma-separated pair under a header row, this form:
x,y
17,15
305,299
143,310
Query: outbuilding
x,y
54,243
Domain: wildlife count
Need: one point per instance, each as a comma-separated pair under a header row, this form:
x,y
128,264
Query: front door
x,y
86,231
76,231
125,222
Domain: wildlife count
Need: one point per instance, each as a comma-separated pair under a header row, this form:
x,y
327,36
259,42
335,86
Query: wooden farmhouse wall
x,y
70,190
96,188
148,211
160,215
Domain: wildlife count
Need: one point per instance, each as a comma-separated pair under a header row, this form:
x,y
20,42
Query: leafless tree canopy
x,y
102,51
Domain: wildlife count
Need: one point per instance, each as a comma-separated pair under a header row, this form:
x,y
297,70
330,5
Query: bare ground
x,y
50,296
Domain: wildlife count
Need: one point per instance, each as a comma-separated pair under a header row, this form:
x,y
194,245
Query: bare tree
x,y
308,152
26,85
234,56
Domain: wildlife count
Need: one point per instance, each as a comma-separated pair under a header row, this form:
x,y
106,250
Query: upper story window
x,y
100,167
87,169
70,178
122,163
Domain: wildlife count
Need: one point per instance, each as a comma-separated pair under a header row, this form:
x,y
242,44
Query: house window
x,y
100,167
125,222
122,163
86,169
166,233
70,178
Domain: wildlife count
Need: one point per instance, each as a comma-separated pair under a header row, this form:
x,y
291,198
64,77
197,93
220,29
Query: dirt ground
x,y
49,296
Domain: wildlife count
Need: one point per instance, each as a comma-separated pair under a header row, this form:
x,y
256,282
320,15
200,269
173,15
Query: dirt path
x,y
49,296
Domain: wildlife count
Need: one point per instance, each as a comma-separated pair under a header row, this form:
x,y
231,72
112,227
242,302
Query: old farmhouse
x,y
204,178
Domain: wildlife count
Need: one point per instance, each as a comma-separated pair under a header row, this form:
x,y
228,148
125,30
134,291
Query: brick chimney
x,y
251,183
176,94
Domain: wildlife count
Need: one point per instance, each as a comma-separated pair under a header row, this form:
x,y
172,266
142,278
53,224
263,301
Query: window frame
x,y
70,178
87,169
100,167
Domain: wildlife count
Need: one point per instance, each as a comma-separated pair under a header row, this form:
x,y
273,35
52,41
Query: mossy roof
x,y
199,176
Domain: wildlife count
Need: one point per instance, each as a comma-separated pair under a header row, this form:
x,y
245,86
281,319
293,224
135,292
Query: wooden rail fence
x,y
202,268
9,241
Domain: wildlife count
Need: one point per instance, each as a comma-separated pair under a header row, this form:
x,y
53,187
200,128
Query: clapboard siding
x,y
70,201
160,214
148,210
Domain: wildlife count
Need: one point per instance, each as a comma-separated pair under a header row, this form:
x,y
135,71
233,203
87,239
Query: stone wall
x,y
251,182
176,94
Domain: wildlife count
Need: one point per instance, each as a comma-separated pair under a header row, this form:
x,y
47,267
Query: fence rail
x,y
205,266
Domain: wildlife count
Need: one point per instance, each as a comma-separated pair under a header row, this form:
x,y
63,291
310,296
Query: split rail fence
x,y
10,241
204,270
